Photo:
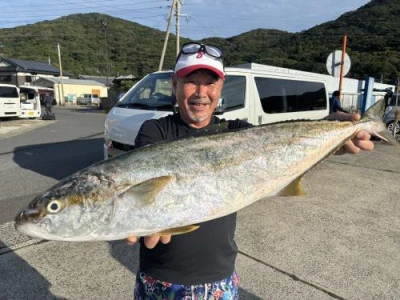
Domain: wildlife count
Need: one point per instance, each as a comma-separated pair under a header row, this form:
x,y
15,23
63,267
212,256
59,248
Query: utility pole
x,y
61,96
167,35
342,65
178,15
105,24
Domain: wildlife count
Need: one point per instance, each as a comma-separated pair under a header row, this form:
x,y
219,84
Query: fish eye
x,y
54,207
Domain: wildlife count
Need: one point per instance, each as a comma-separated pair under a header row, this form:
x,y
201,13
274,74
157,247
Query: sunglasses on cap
x,y
192,48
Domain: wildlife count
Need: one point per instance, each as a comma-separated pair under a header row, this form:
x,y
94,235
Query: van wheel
x,y
393,128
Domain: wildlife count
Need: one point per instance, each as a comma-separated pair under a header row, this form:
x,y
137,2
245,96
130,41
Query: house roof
x,y
126,77
102,79
31,66
73,81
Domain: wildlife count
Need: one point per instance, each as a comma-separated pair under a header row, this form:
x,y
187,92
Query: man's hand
x,y
362,139
150,241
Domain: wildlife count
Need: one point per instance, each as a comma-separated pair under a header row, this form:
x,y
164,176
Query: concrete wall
x,y
73,91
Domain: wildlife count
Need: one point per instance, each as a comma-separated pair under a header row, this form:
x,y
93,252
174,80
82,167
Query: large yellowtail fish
x,y
171,187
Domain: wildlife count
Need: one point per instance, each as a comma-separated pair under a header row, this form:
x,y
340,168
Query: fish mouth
x,y
31,223
28,215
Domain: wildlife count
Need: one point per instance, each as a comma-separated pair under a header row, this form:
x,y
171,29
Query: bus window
x,y
290,96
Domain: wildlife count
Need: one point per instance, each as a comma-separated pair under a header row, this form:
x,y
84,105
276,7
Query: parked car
x,y
88,99
390,114
84,99
95,100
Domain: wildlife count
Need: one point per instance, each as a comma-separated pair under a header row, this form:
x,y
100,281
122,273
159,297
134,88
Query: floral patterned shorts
x,y
148,288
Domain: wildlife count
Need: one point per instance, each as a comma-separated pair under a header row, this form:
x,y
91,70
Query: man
x,y
48,103
334,103
199,264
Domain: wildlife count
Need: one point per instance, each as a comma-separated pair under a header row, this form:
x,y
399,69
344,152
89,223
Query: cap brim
x,y
187,70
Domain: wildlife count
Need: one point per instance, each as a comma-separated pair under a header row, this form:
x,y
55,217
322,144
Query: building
x,y
71,89
23,72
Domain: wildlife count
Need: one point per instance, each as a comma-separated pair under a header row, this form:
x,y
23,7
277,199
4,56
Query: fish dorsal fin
x,y
376,110
146,191
293,189
178,230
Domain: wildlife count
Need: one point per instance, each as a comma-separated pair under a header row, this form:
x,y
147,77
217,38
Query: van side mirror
x,y
220,109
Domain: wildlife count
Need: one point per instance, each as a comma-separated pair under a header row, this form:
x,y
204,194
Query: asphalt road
x,y
340,241
35,154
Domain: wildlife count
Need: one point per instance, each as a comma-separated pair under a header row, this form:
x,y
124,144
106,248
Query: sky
x,y
198,18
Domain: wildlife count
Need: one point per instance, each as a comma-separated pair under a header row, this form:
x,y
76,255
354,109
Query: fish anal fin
x,y
146,191
293,189
177,230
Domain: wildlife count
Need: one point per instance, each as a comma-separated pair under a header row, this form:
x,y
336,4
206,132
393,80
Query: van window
x,y
281,95
8,92
234,92
154,92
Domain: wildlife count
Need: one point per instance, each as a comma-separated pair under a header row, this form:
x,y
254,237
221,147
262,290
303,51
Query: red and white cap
x,y
187,63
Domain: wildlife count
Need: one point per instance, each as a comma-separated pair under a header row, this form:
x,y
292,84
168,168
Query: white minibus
x,y
257,95
9,101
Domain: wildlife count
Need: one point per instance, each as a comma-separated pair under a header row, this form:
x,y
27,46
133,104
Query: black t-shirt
x,y
206,254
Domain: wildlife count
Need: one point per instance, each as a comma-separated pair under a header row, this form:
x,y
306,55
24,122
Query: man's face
x,y
197,95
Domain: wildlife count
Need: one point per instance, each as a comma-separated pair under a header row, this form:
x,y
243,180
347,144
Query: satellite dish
x,y
334,62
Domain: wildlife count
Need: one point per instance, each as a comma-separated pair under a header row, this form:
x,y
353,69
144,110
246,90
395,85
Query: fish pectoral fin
x,y
177,230
146,191
293,189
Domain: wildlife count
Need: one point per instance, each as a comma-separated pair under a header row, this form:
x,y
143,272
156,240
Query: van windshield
x,y
154,92
8,92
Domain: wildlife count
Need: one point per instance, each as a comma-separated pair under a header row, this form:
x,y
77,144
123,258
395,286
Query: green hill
x,y
124,47
85,45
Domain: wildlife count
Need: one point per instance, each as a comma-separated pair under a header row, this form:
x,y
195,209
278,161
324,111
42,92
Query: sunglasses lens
x,y
195,47
213,51
191,48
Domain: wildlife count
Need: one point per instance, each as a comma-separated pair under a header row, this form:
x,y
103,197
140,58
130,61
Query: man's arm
x,y
338,106
342,110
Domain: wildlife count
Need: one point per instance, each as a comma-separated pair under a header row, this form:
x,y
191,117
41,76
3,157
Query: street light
x,y
105,24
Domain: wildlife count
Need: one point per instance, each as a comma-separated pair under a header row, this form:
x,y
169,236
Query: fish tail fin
x,y
375,112
387,137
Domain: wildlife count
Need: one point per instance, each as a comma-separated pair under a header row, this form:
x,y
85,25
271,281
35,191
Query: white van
x,y
9,101
31,100
255,94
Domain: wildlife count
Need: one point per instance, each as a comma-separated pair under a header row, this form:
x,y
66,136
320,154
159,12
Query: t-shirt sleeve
x,y
149,133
